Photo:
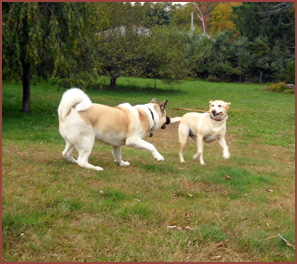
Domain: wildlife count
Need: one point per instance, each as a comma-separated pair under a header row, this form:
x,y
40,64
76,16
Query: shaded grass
x,y
56,211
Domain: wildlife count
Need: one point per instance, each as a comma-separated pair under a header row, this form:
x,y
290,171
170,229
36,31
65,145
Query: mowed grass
x,y
229,210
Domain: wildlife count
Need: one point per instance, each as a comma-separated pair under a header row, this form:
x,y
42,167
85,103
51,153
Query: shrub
x,y
212,78
281,87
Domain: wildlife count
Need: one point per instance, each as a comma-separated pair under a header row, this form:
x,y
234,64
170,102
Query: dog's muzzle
x,y
215,113
166,123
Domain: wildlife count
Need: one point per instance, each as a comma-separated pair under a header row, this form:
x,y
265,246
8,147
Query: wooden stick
x,y
287,242
270,237
187,109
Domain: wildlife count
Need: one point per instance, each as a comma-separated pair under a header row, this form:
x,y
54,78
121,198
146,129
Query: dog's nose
x,y
213,111
167,120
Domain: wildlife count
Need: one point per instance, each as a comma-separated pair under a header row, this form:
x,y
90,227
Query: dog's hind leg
x,y
84,148
67,153
117,154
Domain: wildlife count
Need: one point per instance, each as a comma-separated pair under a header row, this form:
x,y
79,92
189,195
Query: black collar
x,y
151,134
152,114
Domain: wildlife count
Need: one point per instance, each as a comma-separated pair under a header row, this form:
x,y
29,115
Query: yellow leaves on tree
x,y
222,17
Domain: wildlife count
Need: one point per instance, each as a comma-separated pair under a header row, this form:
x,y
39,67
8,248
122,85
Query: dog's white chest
x,y
210,138
110,138
213,134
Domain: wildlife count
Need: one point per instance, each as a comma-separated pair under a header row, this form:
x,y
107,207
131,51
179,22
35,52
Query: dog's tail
x,y
175,119
73,97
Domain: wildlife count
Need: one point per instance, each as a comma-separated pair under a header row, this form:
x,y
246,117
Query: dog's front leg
x,y
199,149
139,143
222,142
117,154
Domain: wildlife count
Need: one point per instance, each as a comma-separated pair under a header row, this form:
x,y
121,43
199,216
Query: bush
x,y
281,87
212,78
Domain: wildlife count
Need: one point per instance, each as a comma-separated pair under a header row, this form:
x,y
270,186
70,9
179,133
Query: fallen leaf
x,y
222,243
189,228
216,257
137,200
191,195
171,227
228,177
269,190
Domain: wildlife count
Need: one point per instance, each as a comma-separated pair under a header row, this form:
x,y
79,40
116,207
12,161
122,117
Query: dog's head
x,y
218,109
160,109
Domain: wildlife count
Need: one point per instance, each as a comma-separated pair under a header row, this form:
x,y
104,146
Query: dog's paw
x,y
124,163
195,157
97,168
160,158
73,160
226,156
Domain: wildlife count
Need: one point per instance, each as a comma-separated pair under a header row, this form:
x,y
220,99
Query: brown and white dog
x,y
81,122
206,127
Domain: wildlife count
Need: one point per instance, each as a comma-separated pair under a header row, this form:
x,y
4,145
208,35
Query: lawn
x,y
227,211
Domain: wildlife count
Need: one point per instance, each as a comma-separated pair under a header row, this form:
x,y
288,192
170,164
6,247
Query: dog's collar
x,y
218,120
152,114
151,134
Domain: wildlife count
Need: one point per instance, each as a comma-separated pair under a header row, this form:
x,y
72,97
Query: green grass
x,y
57,211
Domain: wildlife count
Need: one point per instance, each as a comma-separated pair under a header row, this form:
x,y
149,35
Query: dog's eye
x,y
212,105
220,106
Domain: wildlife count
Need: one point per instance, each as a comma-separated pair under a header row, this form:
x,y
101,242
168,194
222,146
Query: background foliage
x,y
75,44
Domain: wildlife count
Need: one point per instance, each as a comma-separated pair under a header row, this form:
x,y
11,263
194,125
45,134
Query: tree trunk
x,y
112,85
200,16
26,87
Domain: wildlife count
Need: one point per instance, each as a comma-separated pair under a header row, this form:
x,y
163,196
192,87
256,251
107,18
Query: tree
x,y
269,27
133,51
120,52
203,10
221,18
257,19
52,35
181,18
164,54
119,46
23,35
158,14
198,54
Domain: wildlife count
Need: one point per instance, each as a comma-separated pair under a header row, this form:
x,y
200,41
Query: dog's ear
x,y
154,100
163,105
227,104
210,101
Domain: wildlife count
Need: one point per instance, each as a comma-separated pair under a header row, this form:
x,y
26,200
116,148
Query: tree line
x,y
76,43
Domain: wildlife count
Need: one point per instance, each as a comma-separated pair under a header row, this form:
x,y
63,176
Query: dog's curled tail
x,y
73,97
175,119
